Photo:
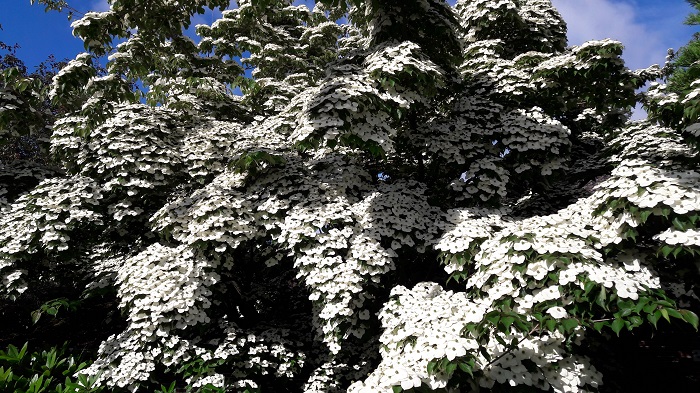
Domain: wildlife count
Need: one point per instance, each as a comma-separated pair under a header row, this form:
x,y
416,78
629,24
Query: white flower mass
x,y
451,211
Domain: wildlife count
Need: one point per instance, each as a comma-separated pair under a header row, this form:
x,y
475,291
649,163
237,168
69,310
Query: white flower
x,y
538,270
557,312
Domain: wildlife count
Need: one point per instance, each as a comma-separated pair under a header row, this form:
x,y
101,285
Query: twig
x,y
511,350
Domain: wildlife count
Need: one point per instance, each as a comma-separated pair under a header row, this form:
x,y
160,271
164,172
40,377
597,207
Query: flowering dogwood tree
x,y
407,195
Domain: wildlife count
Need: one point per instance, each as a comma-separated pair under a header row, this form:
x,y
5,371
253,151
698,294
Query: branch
x,y
58,5
535,328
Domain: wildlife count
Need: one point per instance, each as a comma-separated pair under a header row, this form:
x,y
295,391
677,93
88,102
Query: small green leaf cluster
x,y
682,66
50,371
52,307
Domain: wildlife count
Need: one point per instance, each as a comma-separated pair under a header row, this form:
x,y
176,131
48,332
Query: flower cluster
x,y
537,262
350,106
539,25
42,222
19,176
646,141
673,109
425,323
358,160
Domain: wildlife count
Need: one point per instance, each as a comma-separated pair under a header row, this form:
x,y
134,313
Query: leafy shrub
x,y
52,370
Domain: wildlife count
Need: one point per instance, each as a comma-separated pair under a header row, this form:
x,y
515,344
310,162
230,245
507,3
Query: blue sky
x,y
647,28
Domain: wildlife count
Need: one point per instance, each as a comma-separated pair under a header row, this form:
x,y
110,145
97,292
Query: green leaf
x,y
617,325
665,303
694,218
500,340
602,297
397,389
666,211
450,369
525,326
493,318
678,224
570,324
443,364
50,359
431,366
5,375
625,312
22,352
83,380
690,317
649,308
625,304
674,313
654,318
551,324
677,251
467,368
506,322
36,315
635,321
485,353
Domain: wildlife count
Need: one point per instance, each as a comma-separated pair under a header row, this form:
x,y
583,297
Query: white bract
x,y
419,197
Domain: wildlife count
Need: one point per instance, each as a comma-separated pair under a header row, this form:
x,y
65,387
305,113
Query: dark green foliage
x,y
685,67
49,371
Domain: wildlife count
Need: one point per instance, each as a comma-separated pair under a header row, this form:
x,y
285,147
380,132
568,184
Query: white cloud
x,y
99,6
646,28
618,20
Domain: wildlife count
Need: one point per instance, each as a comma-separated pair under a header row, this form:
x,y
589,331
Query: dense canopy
x,y
371,196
